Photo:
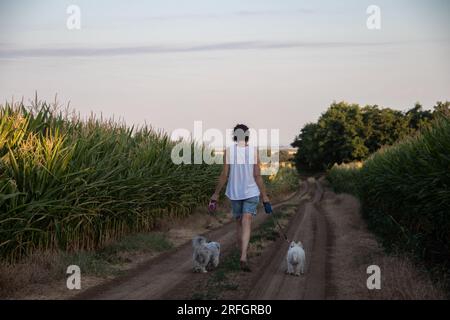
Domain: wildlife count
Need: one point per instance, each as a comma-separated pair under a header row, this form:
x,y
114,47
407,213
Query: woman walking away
x,y
245,185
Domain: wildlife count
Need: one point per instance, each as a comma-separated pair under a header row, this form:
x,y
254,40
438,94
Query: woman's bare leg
x,y
239,232
245,238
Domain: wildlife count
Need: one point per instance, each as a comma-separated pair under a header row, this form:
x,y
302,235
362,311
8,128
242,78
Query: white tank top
x,y
241,182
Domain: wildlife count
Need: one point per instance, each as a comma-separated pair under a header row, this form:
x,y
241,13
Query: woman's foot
x,y
245,267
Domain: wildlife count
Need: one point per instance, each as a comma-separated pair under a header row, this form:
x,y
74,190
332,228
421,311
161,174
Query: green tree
x,y
347,132
308,157
418,118
382,127
442,108
341,130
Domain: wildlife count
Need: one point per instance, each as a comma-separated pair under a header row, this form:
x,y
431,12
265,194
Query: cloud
x,y
183,16
274,12
161,49
241,13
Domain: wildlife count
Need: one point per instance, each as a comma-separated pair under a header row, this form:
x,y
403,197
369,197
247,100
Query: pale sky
x,y
271,64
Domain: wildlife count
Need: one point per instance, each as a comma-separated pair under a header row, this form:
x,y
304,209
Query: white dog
x,y
295,259
206,254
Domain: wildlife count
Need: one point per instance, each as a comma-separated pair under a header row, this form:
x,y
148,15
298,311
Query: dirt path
x,y
310,227
158,277
338,250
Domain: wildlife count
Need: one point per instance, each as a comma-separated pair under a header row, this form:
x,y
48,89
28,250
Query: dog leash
x,y
269,210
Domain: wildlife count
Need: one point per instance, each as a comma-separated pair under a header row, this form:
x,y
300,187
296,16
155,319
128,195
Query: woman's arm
x,y
222,178
259,181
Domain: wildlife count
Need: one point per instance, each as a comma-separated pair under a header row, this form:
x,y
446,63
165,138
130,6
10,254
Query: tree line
x,y
348,132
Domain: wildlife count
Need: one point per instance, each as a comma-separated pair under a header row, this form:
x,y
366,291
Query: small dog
x,y
206,254
295,259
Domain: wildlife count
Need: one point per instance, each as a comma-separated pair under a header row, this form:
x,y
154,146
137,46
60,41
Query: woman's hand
x,y
215,197
265,198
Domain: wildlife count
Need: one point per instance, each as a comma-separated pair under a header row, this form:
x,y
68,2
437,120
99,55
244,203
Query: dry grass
x,y
40,276
355,249
32,271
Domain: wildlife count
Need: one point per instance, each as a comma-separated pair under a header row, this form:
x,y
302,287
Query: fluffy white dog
x,y
206,254
295,259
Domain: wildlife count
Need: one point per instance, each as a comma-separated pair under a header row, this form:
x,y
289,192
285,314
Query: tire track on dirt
x,y
310,227
156,278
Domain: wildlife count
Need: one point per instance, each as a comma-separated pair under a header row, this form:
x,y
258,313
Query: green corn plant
x,y
72,184
405,193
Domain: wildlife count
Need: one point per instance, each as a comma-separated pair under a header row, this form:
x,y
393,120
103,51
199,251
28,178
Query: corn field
x,y
70,184
405,193
286,180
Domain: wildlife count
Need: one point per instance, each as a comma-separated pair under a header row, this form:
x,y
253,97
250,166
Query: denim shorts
x,y
244,206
